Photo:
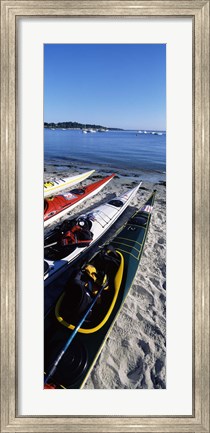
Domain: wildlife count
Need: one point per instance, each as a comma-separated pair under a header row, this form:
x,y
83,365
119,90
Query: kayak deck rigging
x,y
55,185
132,246
59,251
104,308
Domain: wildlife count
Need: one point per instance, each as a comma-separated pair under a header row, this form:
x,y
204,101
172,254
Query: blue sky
x,y
114,85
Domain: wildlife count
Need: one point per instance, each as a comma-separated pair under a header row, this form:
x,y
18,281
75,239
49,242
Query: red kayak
x,y
57,206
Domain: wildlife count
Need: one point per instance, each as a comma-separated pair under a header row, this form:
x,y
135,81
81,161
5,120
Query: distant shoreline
x,y
97,128
77,125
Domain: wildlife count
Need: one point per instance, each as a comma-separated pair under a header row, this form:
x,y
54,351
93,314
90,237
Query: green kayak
x,y
108,276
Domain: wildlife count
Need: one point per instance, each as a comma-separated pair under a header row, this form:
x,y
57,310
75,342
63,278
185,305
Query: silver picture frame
x,y
10,12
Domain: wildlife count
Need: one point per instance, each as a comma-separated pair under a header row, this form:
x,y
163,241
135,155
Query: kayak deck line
x,y
126,224
145,228
64,183
129,246
128,252
79,177
100,215
132,248
136,225
101,224
106,216
129,240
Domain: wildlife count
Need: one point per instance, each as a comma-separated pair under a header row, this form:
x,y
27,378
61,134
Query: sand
x,y
134,356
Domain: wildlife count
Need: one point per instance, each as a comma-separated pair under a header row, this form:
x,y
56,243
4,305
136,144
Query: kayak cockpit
x,y
80,292
78,191
70,235
139,219
116,202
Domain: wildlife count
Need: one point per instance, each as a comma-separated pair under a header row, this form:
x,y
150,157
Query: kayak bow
x,y
55,185
57,206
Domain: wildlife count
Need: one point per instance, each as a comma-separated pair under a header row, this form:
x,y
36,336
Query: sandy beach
x,y
134,356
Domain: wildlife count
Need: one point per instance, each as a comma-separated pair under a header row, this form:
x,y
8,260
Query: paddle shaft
x,y
69,341
50,245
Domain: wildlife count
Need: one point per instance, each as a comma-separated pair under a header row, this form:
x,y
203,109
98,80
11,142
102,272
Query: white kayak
x,y
74,236
55,185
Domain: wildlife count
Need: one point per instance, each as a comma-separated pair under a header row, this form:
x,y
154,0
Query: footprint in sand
x,y
155,281
155,375
134,374
144,346
158,247
163,270
163,303
126,344
158,365
161,241
162,298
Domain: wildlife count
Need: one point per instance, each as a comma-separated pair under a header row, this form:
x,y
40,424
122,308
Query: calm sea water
x,y
121,149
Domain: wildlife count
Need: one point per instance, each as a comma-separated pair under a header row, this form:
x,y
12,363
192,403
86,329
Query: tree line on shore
x,y
76,125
